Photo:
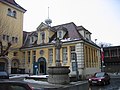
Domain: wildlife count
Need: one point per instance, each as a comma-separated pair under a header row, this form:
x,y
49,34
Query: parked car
x,y
14,85
99,78
4,75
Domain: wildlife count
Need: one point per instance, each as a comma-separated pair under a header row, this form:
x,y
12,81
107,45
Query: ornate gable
x,y
42,26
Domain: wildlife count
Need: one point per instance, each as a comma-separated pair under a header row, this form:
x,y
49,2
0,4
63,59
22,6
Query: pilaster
x,y
80,55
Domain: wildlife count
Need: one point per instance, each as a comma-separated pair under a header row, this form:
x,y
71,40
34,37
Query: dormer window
x,y
32,39
60,34
43,36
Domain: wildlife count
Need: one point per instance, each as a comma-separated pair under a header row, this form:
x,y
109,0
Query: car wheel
x,y
90,84
104,83
108,82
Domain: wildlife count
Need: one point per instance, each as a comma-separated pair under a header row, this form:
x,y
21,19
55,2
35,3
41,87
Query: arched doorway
x,y
42,65
15,66
3,64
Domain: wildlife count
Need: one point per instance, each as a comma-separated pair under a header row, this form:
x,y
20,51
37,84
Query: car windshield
x,y
101,74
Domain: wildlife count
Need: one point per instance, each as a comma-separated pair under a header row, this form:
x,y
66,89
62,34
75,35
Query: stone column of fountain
x,y
58,74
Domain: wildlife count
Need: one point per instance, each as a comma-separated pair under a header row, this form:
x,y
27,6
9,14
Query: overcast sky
x,y
100,17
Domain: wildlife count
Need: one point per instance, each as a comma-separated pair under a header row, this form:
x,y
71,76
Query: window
x,y
4,37
32,39
73,56
9,11
34,56
7,38
14,14
13,39
43,36
106,53
60,34
16,39
50,56
64,53
113,53
28,56
15,54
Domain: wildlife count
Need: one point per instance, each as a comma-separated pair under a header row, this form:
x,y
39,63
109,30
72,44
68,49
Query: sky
x,y
100,17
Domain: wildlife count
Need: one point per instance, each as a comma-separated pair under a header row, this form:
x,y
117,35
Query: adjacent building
x,y
112,59
33,52
11,30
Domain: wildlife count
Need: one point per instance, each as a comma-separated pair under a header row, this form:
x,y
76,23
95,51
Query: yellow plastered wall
x,y
91,56
12,27
48,34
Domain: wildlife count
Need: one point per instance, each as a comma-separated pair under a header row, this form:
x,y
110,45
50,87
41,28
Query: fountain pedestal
x,y
58,75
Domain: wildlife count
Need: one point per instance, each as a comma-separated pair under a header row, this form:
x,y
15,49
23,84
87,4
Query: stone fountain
x,y
58,74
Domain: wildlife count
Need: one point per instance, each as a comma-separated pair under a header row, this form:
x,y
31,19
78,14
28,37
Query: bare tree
x,y
104,44
3,29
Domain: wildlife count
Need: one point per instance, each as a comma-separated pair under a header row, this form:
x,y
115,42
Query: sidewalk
x,y
45,84
114,75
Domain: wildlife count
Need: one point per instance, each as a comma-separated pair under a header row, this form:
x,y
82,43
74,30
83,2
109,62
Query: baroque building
x,y
33,52
39,50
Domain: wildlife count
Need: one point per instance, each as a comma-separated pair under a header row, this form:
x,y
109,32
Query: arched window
x,y
9,12
14,13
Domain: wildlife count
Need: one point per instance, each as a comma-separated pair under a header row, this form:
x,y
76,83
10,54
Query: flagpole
x,y
102,59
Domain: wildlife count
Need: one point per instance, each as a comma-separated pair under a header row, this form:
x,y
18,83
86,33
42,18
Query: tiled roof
x,y
13,3
82,28
72,30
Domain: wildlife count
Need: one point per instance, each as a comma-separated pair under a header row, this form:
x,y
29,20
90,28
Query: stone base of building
x,y
58,75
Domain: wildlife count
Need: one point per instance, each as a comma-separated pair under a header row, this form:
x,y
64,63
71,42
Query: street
x,y
114,85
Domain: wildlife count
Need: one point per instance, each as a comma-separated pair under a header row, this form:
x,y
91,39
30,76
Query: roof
x,y
12,2
71,28
72,34
82,28
111,47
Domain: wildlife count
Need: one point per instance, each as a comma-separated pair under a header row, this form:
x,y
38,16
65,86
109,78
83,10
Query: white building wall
x,y
80,57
